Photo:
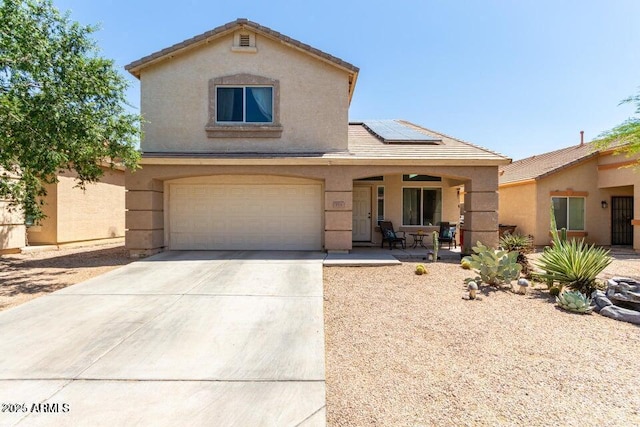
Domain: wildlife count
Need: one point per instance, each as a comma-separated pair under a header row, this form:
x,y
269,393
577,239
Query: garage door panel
x,y
211,216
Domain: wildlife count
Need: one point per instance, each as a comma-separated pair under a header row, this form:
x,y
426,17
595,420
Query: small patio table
x,y
418,239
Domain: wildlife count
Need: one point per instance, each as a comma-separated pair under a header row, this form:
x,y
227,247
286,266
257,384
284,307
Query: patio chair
x,y
447,234
391,236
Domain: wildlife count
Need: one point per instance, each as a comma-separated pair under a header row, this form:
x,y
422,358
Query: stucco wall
x,y
175,99
518,206
75,215
12,230
581,178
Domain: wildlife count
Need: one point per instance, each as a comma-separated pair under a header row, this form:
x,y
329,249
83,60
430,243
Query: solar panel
x,y
391,131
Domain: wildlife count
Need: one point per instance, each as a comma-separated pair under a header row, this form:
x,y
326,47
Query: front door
x,y
621,216
361,214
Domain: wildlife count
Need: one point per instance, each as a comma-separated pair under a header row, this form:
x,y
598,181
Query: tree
x,y
625,136
62,106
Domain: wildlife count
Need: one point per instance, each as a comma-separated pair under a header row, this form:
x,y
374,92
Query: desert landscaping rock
x,y
620,313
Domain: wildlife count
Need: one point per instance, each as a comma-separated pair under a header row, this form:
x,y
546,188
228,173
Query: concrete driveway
x,y
181,338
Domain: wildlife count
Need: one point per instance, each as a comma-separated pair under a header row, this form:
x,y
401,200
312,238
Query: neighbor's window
x,y
248,104
569,212
421,206
380,204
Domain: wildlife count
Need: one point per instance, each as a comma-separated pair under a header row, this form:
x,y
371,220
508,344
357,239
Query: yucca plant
x,y
572,263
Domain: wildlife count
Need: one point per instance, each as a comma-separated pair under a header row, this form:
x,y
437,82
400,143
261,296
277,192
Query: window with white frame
x,y
421,206
245,104
569,212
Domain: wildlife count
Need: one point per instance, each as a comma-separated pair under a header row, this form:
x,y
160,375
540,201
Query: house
x,y
594,194
247,145
95,214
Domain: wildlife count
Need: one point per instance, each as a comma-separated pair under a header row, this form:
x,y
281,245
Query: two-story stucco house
x,y
247,145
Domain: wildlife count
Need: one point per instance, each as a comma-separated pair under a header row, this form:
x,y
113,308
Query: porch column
x,y
144,219
338,206
481,206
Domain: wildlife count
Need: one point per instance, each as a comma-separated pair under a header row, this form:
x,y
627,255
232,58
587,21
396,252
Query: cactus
x,y
421,269
465,263
495,267
436,246
563,234
554,291
574,301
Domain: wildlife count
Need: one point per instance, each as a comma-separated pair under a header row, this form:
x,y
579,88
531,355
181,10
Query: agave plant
x,y
573,264
574,301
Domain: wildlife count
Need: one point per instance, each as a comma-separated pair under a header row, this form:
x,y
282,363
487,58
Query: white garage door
x,y
246,217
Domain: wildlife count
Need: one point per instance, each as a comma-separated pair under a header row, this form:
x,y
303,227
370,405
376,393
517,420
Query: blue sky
x,y
520,77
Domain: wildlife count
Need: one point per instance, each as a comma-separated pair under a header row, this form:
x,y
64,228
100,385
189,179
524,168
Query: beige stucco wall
x,y
12,230
75,215
518,206
314,99
616,172
145,199
528,205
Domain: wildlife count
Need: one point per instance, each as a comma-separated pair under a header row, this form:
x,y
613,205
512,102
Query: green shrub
x,y
494,267
466,263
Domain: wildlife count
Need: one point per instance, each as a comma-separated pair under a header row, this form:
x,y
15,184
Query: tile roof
x,y
363,144
541,165
364,148
135,66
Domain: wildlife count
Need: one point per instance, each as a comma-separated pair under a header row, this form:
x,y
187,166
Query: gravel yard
x,y
30,275
408,350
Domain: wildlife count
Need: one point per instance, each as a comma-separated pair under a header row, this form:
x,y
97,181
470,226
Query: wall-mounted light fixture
x,y
604,204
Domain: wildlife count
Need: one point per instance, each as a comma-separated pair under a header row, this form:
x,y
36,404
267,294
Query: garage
x,y
241,216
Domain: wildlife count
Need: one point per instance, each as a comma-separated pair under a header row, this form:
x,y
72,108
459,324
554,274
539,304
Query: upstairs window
x,y
249,104
244,106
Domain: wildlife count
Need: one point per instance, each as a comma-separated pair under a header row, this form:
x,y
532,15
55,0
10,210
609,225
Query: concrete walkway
x,y
182,338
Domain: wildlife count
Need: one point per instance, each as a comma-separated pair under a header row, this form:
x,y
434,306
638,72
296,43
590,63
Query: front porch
x,y
375,256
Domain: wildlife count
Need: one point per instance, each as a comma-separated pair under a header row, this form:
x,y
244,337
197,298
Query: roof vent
x,y
244,41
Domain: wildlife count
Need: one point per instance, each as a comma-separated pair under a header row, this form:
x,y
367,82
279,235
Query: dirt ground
x,y
30,275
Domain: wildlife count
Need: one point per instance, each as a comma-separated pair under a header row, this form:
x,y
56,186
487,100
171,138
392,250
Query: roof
x,y
541,165
364,147
364,143
241,23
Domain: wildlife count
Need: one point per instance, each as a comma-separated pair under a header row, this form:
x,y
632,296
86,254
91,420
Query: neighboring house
x,y
73,215
594,194
247,145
